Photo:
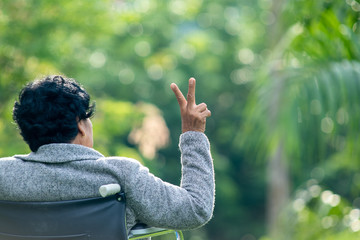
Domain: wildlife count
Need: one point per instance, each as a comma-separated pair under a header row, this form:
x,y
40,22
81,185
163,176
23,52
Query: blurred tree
x,y
278,182
306,93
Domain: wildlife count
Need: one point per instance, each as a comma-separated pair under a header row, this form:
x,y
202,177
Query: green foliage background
x,y
273,73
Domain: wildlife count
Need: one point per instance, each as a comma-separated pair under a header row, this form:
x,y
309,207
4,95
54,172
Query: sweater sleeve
x,y
161,204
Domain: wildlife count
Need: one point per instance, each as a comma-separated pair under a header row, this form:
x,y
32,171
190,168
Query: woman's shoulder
x,y
123,163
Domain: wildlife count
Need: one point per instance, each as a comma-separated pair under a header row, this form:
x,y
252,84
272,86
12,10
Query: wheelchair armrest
x,y
141,229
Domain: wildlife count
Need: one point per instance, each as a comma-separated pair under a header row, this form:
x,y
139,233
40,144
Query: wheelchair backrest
x,y
93,218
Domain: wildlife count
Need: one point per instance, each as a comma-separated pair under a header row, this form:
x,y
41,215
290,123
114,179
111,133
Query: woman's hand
x,y
193,117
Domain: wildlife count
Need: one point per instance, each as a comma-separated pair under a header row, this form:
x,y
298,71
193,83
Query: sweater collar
x,y
61,153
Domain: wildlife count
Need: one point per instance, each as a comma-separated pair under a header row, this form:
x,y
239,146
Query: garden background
x,y
282,79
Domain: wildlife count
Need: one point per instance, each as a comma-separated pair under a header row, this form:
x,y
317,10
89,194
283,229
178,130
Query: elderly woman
x,y
53,115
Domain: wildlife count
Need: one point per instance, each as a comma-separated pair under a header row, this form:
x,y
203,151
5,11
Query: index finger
x,y
191,91
179,96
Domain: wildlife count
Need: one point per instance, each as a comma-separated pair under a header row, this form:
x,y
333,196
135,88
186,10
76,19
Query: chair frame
x,y
147,232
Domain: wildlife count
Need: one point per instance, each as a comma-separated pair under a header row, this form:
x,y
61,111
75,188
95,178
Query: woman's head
x,y
49,111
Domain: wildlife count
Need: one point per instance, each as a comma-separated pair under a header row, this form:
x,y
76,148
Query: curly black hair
x,y
49,109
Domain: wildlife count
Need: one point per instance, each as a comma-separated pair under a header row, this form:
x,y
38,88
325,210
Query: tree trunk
x,y
278,182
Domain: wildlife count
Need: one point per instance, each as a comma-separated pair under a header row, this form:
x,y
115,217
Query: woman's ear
x,y
85,135
81,128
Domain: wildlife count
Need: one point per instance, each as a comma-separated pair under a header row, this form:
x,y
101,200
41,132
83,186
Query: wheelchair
x,y
100,218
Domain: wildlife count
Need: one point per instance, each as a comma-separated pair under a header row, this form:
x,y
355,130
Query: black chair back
x,y
94,218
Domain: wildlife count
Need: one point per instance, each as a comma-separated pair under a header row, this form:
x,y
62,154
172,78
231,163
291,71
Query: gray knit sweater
x,y
70,171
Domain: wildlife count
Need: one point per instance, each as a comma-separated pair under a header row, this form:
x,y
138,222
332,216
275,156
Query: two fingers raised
x,y
193,116
190,96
